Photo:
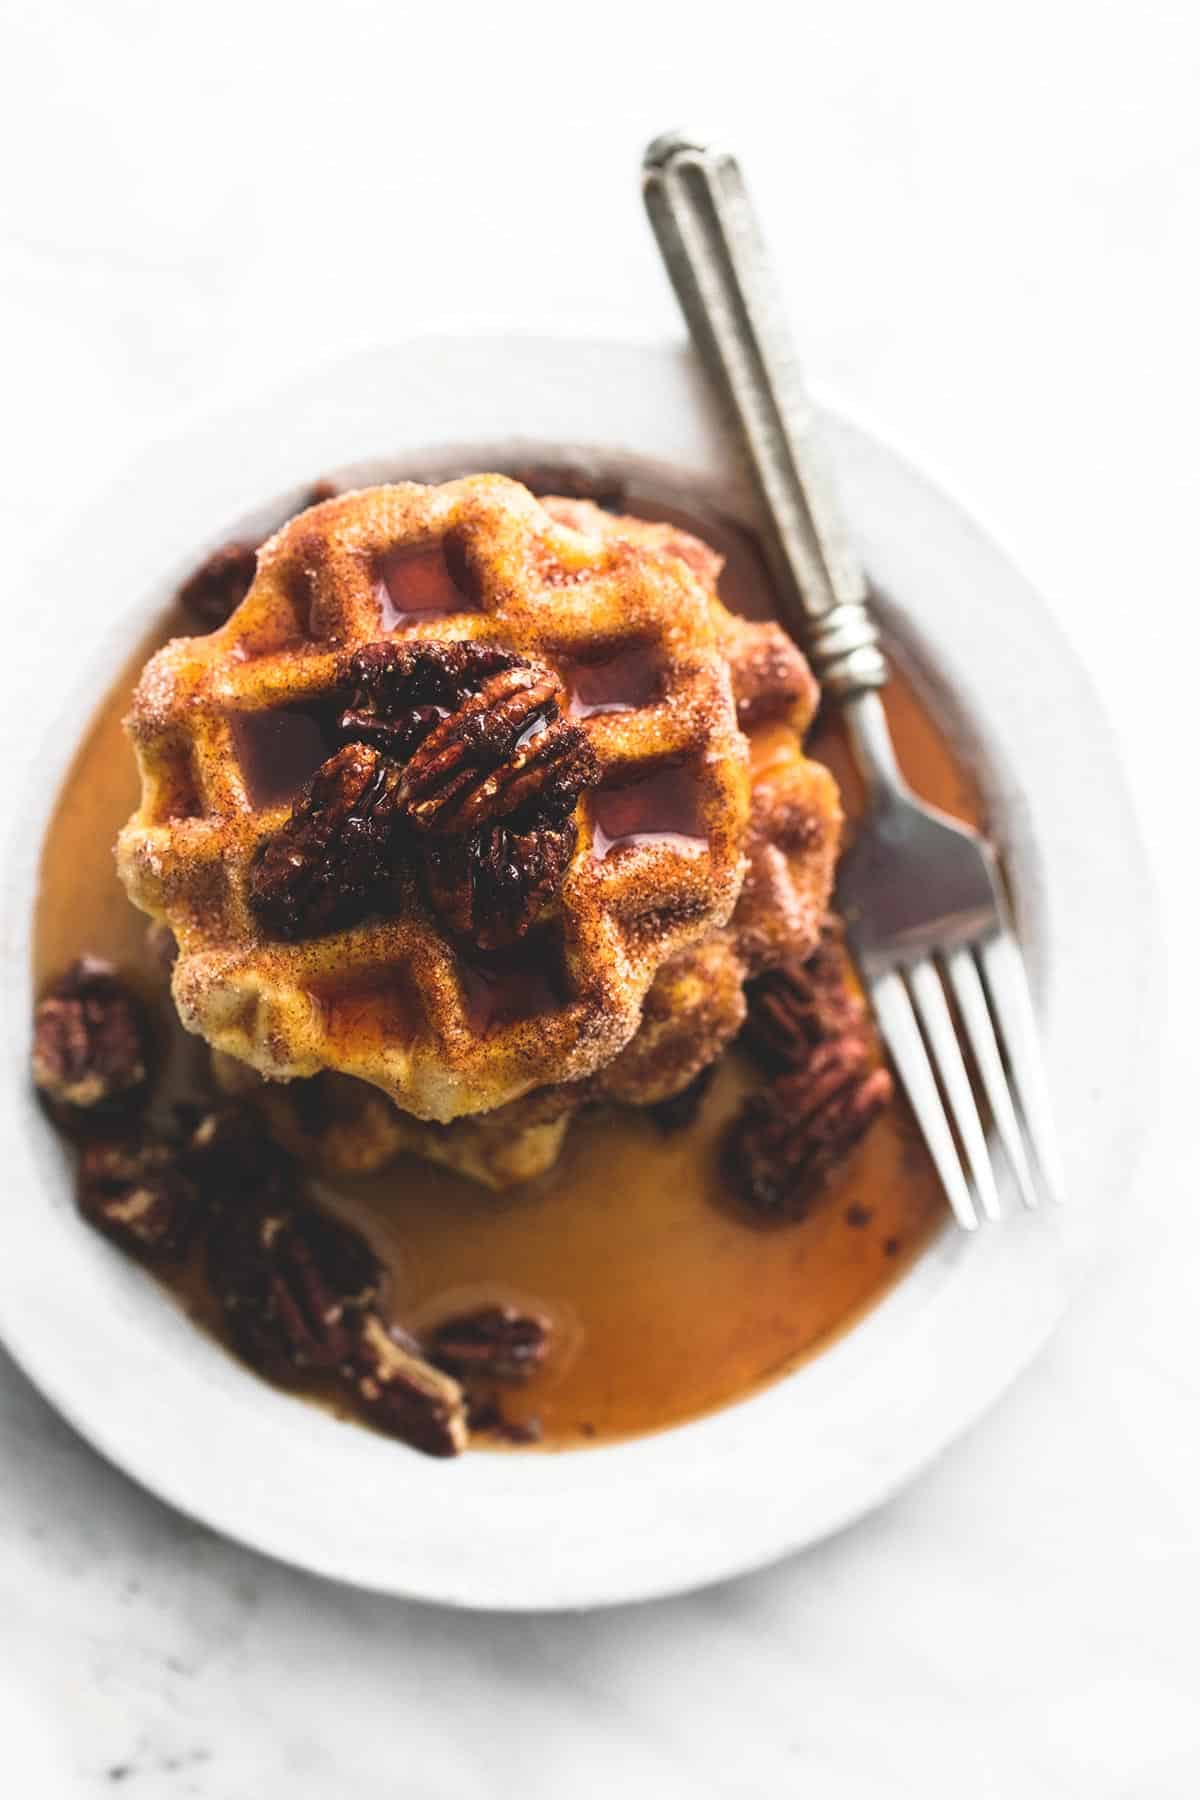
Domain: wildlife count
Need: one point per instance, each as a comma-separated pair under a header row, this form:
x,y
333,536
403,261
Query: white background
x,y
987,221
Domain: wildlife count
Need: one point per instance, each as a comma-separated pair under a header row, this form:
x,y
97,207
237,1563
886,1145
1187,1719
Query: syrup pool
x,y
510,985
667,1300
419,584
620,683
279,751
664,808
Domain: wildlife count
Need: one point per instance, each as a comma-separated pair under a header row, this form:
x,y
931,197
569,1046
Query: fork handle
x,y
710,241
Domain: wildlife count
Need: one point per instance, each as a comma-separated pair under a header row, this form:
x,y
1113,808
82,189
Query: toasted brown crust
x,y
539,588
695,1006
655,942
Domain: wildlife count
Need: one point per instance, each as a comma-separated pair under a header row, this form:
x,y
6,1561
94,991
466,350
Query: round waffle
x,y
695,1005
634,644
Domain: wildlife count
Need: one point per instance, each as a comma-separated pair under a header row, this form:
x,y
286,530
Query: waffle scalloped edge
x,y
695,1006
394,1001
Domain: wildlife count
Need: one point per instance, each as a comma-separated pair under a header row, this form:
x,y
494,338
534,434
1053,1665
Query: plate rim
x,y
668,373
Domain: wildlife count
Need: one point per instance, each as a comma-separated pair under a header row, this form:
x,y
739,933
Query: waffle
x,y
695,1006
345,1127
397,1001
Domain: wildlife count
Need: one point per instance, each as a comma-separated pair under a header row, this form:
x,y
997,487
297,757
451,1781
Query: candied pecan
x,y
399,692
787,1140
492,886
217,588
228,1154
137,1194
504,749
570,481
496,1343
90,1040
333,862
679,1110
214,591
793,1008
320,491
404,1395
487,1418
294,1283
162,945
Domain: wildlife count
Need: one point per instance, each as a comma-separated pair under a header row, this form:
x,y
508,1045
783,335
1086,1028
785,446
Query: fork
x,y
925,913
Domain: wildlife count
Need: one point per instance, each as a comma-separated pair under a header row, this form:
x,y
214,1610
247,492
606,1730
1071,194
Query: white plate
x,y
818,1448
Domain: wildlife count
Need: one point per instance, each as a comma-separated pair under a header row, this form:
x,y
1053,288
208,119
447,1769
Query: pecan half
x,y
90,1040
571,481
496,1343
487,1418
226,1151
404,1395
295,1285
492,778
213,593
399,692
679,1110
504,749
787,1140
319,492
792,1009
494,885
138,1195
333,862
162,945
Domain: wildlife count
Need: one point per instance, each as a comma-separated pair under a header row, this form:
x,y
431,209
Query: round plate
x,y
819,1447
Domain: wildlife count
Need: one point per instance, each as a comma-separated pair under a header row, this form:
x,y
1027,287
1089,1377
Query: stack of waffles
x,y
479,809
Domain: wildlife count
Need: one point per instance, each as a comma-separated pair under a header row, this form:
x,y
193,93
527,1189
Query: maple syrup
x,y
280,750
419,583
666,1299
660,808
620,683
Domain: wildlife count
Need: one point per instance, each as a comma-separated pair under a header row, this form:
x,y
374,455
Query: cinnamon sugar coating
x,y
399,1001
695,1005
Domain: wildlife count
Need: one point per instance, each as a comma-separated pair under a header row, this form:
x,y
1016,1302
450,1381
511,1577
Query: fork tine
x,y
893,1010
1013,1012
973,1007
934,1014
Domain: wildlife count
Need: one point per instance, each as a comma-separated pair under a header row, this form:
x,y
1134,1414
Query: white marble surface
x,y
987,221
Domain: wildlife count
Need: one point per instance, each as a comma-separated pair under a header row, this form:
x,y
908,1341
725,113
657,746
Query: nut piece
x,y
404,1396
401,691
90,1039
487,1418
787,1141
494,885
794,1008
214,591
162,945
137,1194
333,862
227,1152
679,1110
217,588
493,777
504,749
497,1343
573,481
294,1283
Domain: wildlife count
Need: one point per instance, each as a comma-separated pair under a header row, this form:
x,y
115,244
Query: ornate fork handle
x,y
709,239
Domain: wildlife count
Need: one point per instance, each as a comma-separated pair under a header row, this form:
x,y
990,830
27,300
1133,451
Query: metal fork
x,y
925,912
